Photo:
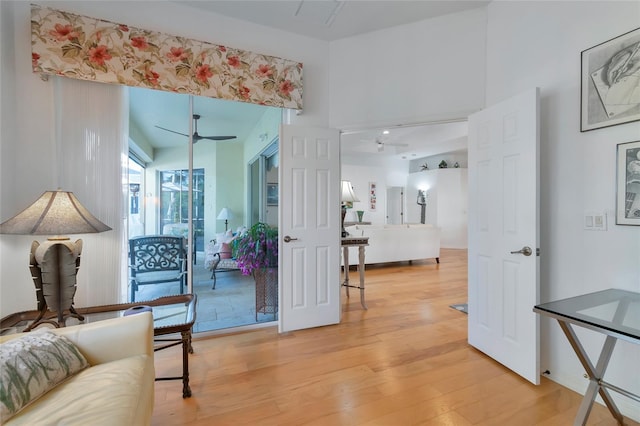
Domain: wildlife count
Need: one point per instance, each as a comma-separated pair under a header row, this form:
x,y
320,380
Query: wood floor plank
x,y
404,361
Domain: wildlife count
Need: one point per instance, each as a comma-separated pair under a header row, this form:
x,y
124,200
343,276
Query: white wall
x,y
428,70
229,186
384,173
27,119
447,203
538,44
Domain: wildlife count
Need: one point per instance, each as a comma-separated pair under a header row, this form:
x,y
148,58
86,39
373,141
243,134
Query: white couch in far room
x,y
396,243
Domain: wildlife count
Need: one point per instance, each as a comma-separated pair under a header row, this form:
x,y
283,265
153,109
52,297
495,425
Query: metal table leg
x,y
595,376
361,271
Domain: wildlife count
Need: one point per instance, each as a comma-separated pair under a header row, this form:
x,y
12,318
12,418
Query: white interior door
x,y
503,212
310,217
395,214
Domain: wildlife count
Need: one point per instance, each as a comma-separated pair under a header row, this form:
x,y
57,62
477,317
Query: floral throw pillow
x,y
33,364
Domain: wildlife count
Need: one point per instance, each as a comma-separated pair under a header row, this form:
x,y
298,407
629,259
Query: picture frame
x,y
272,194
610,86
373,196
628,183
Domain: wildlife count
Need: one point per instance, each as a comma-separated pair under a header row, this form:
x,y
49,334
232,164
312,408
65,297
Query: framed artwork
x,y
628,184
272,194
373,191
610,88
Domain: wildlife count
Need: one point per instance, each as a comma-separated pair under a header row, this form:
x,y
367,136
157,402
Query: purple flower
x,y
256,249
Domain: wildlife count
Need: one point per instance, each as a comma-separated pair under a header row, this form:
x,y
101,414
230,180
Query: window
x,y
174,204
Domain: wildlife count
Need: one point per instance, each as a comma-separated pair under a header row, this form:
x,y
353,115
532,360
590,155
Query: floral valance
x,y
90,49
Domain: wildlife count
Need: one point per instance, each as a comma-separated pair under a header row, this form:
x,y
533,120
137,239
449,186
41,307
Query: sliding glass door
x,y
203,193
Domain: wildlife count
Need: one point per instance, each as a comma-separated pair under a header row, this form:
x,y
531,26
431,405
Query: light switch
x,y
595,221
588,222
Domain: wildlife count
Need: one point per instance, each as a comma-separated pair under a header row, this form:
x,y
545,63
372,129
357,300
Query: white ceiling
x,y
330,19
150,108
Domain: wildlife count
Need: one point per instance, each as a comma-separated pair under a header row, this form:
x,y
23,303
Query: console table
x,y
361,243
171,315
615,313
356,223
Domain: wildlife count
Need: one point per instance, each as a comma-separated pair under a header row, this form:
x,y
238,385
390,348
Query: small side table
x,y
612,312
361,243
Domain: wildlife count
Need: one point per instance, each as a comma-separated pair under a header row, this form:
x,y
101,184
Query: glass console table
x,y
171,315
615,313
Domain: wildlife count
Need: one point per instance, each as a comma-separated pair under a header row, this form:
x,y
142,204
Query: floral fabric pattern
x,y
90,49
33,364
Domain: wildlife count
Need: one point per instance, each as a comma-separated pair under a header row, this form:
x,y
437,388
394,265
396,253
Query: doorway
x,y
159,133
395,205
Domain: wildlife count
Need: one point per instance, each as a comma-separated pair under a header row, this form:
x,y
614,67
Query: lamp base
x,y
56,322
344,213
54,265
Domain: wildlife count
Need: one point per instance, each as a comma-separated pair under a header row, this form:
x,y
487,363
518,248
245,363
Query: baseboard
x,y
628,407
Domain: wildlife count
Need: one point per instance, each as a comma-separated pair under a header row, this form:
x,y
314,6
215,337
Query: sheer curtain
x,y
91,123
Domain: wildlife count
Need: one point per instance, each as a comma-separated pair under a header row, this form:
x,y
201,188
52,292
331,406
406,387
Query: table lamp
x,y
348,196
54,264
226,215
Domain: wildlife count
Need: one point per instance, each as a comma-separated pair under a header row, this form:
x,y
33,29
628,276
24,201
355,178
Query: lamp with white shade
x,y
54,264
347,196
225,214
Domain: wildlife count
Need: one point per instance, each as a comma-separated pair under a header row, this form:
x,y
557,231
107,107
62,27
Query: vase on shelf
x,y
360,214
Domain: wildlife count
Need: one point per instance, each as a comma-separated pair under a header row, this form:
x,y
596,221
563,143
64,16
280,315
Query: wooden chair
x,y
156,259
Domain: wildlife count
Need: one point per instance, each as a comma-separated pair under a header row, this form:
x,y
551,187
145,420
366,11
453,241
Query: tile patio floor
x,y
231,304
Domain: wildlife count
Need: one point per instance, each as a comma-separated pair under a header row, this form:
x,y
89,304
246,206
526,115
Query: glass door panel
x,y
161,142
161,128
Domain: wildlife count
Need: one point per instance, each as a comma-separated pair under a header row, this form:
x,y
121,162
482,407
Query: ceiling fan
x,y
381,144
196,136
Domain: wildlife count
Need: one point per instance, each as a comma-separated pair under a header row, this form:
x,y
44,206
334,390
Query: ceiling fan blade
x,y
173,131
396,144
217,138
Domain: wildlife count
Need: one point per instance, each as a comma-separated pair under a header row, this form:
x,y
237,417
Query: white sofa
x,y
396,243
116,389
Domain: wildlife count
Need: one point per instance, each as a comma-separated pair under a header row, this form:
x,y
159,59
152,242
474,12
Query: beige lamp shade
x,y
347,193
54,213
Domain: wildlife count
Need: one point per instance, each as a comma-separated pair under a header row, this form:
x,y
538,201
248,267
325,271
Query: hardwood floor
x,y
405,361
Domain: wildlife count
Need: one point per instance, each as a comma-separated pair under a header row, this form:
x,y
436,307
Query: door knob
x,y
526,250
288,239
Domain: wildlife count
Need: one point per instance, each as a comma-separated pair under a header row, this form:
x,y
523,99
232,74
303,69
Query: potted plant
x,y
256,253
257,249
